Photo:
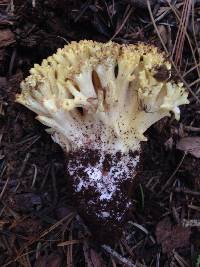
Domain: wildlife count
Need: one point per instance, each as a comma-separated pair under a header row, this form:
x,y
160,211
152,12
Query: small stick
x,y
24,164
191,223
192,129
186,191
118,256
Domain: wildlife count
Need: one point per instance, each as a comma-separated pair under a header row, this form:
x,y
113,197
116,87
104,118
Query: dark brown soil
x,y
38,225
104,203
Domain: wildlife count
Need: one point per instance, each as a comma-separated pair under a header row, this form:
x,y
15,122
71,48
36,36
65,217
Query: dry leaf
x,y
190,145
92,258
6,38
172,236
52,260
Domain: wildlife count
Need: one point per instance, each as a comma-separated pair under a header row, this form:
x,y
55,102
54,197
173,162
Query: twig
x,y
24,164
4,188
68,242
179,42
34,176
186,191
118,256
173,174
33,3
18,257
55,191
166,50
158,19
158,259
32,143
67,218
3,169
192,129
187,35
84,8
180,260
64,39
143,230
33,138
195,82
87,255
193,68
191,223
193,28
122,25
193,207
45,177
11,64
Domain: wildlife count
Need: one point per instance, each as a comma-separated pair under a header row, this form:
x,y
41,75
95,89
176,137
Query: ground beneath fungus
x,y
38,224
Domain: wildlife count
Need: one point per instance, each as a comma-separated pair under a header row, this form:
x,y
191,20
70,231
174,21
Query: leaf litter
x,y
36,209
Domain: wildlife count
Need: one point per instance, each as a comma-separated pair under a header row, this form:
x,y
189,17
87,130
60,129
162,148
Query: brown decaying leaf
x,y
25,202
92,258
3,82
190,145
6,37
4,2
163,33
171,236
52,260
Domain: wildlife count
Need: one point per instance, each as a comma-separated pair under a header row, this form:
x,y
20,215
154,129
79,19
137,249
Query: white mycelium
x,y
106,184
